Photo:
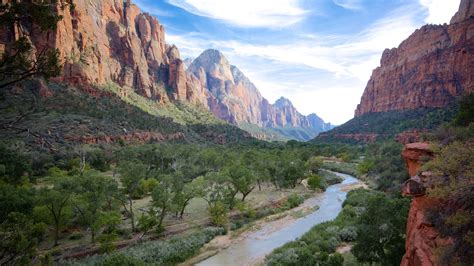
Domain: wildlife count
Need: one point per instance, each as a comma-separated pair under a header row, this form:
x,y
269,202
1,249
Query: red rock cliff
x,y
112,41
429,69
422,238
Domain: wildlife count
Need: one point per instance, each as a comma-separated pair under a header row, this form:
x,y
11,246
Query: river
x,y
257,244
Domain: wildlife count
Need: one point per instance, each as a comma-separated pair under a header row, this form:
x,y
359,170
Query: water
x,y
253,249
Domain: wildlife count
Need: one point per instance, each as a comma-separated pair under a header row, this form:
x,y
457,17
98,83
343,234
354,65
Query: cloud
x,y
349,4
247,13
314,71
151,9
440,11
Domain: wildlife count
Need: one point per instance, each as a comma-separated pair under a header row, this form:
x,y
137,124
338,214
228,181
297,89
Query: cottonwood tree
x,y
57,201
131,175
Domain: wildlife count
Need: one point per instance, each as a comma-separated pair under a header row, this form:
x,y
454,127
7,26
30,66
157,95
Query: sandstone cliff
x,y
429,69
422,238
112,41
234,98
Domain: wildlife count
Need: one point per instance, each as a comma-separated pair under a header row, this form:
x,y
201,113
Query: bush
x,y
218,213
163,252
316,182
76,235
294,200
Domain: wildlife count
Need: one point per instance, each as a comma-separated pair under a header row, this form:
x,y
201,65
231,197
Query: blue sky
x,y
317,53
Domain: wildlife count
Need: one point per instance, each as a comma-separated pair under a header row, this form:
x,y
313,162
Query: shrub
x,y
218,213
294,200
316,182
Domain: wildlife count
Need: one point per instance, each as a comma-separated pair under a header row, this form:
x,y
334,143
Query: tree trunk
x,y
162,216
56,233
259,186
132,218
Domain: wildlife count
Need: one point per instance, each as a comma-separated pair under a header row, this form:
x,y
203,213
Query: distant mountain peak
x,y
283,102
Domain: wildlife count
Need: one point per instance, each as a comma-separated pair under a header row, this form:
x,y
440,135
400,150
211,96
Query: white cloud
x,y
440,11
347,62
247,13
349,4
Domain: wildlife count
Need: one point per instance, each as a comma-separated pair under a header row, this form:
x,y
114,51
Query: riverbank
x,y
251,244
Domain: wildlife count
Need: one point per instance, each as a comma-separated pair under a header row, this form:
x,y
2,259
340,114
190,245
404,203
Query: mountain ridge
x,y
234,98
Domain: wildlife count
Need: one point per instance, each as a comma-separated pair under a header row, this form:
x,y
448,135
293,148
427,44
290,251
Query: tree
x,y
242,180
131,174
56,200
316,182
465,116
381,230
21,60
19,238
162,198
188,192
313,165
91,199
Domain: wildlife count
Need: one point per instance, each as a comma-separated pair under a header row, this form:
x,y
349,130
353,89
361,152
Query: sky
x,y
317,53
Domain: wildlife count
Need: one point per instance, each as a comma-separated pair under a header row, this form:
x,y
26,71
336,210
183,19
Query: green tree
x,y
381,231
189,191
465,116
56,200
91,199
19,237
316,182
162,198
131,175
20,60
242,181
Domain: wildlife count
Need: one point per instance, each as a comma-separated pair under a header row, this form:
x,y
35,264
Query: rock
x,y
429,69
422,238
235,99
415,154
466,11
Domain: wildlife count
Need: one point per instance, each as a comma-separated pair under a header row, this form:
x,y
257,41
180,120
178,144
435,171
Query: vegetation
x,y
388,124
363,211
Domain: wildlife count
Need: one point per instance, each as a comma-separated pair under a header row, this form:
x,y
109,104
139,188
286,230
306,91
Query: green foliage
x,y
162,252
384,166
14,166
316,182
465,115
219,214
294,200
388,124
318,246
19,237
381,231
452,174
341,167
19,61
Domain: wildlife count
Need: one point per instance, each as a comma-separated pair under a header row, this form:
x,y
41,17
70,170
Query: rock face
x,y
422,238
112,41
234,98
429,69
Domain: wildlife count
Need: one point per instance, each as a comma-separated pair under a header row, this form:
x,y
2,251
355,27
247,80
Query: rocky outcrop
x,y
422,238
234,98
415,154
112,41
429,69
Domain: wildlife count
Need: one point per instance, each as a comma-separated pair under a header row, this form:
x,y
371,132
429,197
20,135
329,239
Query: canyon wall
x,y
429,69
234,98
422,238
111,42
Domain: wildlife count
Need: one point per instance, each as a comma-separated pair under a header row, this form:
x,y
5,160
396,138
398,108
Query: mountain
x,y
110,46
234,98
120,82
417,85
